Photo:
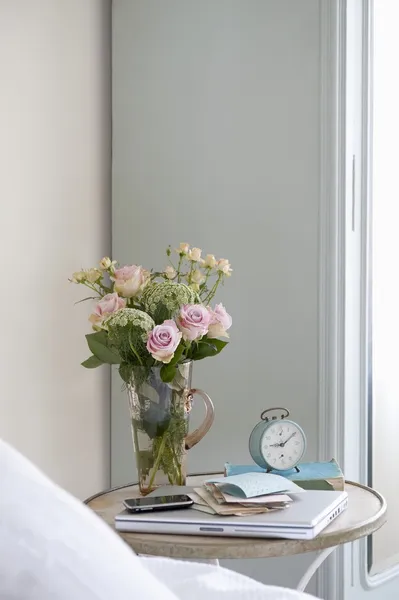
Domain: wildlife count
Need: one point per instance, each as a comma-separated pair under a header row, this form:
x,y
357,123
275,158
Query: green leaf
x,y
168,373
207,347
155,420
88,298
178,354
100,336
203,350
92,362
125,371
220,344
98,344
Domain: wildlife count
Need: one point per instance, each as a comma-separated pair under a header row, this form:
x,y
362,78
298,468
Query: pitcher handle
x,y
195,436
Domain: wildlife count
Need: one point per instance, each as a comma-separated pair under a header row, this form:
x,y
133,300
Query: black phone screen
x,y
159,501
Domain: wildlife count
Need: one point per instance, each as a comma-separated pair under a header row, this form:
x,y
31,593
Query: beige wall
x,y
55,217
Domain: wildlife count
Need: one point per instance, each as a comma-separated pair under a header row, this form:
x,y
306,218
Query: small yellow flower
x,y
195,287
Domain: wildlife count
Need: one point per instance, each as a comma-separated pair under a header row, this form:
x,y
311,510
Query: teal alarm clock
x,y
277,443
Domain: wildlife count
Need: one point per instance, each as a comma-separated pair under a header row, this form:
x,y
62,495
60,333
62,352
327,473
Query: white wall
x,y
55,218
216,128
385,286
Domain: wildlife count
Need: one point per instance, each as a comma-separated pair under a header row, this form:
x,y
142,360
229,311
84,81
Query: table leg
x,y
313,568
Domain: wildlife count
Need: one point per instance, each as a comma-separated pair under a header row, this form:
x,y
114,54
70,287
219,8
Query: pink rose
x,y
107,306
130,280
220,322
163,341
193,321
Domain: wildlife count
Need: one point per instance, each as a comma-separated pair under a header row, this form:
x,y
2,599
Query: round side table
x,y
365,514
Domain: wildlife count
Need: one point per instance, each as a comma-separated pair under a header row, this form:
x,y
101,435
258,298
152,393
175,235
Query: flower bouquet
x,y
154,325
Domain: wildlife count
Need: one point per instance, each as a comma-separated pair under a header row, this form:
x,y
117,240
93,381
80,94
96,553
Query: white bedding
x,y
52,547
199,581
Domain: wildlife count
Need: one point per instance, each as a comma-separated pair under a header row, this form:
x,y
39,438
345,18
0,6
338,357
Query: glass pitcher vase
x,y
160,418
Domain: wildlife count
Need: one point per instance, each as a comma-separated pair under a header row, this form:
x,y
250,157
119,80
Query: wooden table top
x,y
365,514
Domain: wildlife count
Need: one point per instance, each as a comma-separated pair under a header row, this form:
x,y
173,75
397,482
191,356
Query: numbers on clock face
x,y
283,445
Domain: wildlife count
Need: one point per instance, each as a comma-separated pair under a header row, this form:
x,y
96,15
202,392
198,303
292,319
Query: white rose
x,y
93,275
197,277
227,271
195,254
222,262
105,263
79,277
224,266
183,248
170,272
210,261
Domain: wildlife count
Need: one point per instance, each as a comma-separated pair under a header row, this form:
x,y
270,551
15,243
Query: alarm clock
x,y
277,443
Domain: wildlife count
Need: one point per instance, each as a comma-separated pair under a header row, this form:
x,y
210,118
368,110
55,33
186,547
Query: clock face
x,y
282,445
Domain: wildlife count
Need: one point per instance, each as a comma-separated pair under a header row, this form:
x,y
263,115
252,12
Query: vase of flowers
x,y
154,325
160,419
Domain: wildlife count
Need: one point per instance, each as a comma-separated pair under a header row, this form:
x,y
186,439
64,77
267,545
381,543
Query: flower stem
x,y
170,262
136,444
203,285
178,468
213,290
133,349
157,460
91,287
191,270
178,268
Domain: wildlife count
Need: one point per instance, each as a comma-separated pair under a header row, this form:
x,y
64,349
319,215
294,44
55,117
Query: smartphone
x,y
160,503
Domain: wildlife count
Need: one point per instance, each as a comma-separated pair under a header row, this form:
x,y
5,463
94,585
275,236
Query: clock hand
x,y
288,439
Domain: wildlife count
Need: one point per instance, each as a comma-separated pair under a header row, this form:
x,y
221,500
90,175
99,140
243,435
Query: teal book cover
x,y
313,475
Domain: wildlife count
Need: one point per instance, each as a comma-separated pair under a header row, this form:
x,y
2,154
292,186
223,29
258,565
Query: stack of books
x,y
310,476
244,494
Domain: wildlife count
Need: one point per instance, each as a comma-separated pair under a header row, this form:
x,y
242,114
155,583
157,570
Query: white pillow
x,y
52,547
199,581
